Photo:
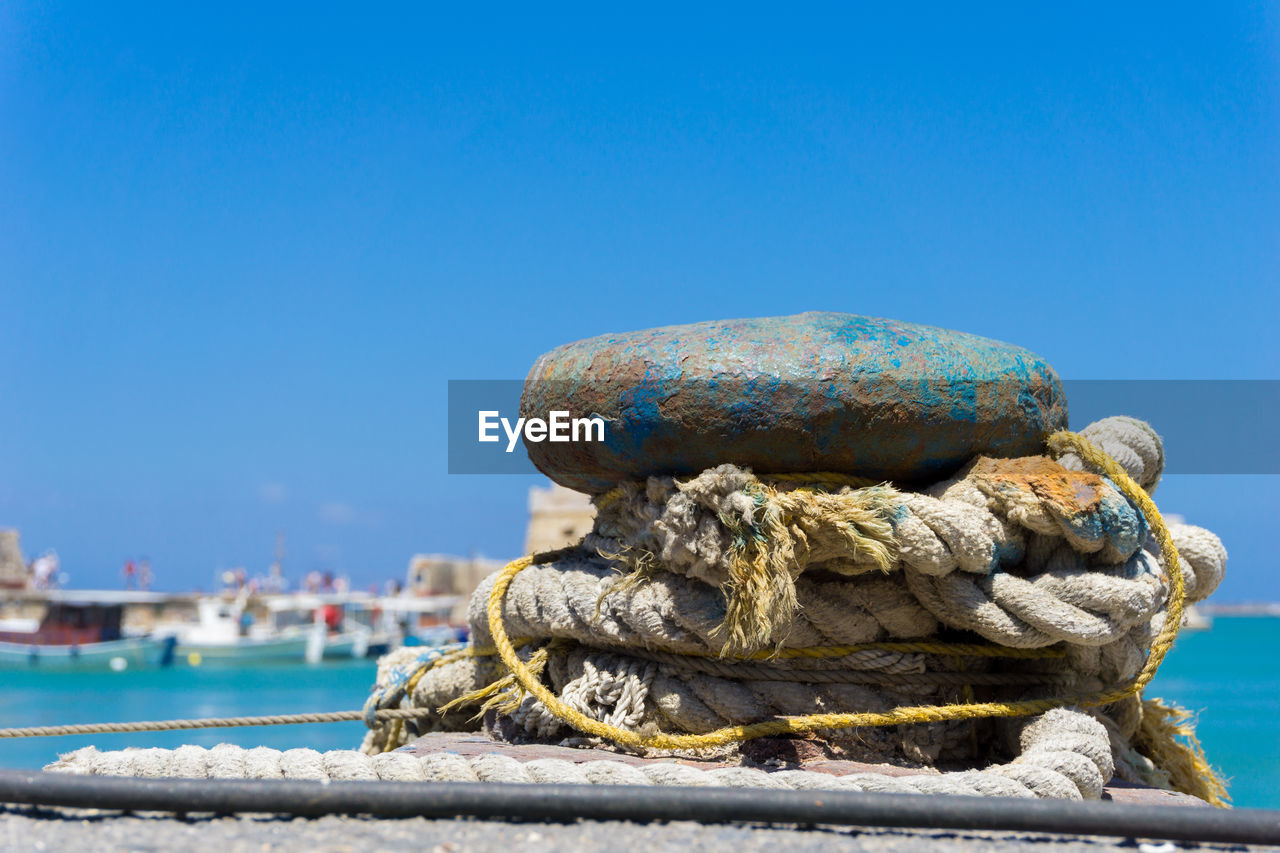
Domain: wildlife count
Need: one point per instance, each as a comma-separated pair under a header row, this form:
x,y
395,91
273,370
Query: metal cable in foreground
x,y
608,802
211,723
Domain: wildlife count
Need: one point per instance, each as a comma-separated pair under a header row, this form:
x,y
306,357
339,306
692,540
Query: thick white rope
x,y
1065,755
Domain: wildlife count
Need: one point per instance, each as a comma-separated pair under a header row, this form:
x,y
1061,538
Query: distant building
x,y
13,566
557,517
438,574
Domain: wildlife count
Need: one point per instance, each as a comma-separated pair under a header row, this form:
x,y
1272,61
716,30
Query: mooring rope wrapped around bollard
x,y
753,607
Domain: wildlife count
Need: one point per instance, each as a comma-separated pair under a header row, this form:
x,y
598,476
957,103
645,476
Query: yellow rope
x,y
967,650
1167,737
464,652
972,650
1070,442
1059,442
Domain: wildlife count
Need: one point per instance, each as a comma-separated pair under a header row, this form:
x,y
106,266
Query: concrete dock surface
x,y
36,828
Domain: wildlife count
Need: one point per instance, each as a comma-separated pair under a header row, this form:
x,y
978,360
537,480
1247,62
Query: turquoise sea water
x,y
41,698
1230,675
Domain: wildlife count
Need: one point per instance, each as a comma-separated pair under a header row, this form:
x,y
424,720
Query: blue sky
x,y
242,252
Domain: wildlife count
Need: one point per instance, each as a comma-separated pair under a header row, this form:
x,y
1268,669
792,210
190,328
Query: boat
x,y
416,620
358,625
80,630
225,632
324,645
338,625
291,628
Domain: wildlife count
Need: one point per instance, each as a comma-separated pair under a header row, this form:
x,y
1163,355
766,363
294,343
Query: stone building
x,y
557,517
13,566
439,574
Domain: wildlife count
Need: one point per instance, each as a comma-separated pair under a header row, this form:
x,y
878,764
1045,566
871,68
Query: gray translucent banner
x,y
1208,426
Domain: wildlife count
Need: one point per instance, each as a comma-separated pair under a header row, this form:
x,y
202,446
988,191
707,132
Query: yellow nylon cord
x,y
1059,443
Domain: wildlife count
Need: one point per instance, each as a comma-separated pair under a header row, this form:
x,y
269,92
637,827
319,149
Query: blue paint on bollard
x,y
818,391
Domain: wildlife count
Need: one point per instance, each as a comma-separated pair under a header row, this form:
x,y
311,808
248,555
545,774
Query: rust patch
x,y
786,751
1068,492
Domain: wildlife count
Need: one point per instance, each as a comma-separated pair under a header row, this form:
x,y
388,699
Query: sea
x,y
1229,675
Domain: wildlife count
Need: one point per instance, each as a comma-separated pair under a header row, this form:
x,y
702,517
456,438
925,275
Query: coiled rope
x,y
1059,442
655,658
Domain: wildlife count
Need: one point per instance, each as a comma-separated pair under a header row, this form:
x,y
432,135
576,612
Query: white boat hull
x,y
354,644
130,653
274,649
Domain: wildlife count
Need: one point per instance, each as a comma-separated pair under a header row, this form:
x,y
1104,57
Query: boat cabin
x,y
71,624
